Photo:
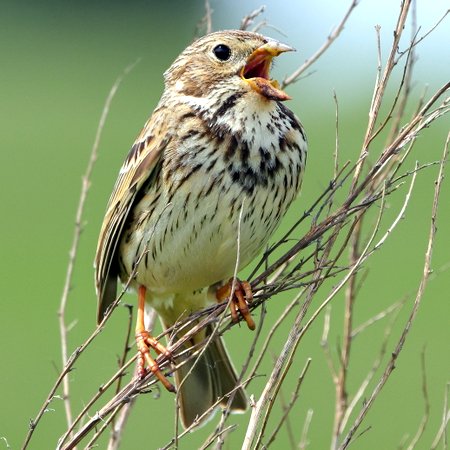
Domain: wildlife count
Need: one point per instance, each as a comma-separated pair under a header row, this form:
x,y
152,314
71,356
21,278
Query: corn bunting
x,y
220,152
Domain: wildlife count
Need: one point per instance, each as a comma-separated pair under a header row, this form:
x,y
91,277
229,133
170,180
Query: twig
x,y
170,444
350,295
380,87
342,409
291,404
102,429
277,324
336,144
426,34
226,411
263,407
442,432
208,17
381,315
426,415
398,348
218,436
301,331
126,345
304,439
312,59
118,424
249,18
286,424
3,438
86,183
204,25
325,345
71,264
375,366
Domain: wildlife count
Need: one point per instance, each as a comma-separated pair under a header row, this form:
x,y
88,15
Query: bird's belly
x,y
191,247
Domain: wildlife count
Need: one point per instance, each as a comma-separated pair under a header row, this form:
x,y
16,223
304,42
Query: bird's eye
x,y
222,52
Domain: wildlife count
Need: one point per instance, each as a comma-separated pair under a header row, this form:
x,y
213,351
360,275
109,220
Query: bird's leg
x,y
242,297
144,342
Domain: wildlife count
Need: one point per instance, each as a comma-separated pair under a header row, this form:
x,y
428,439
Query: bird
x,y
213,172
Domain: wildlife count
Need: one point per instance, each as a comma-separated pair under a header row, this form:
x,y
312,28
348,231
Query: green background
x,y
58,62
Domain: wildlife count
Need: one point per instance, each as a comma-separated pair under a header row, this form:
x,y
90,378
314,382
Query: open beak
x,y
256,71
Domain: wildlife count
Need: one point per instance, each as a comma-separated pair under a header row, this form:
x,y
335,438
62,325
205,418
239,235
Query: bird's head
x,y
230,61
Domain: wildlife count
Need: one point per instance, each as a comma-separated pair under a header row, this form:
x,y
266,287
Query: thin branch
x,y
416,42
86,182
118,425
442,432
426,415
85,185
293,77
286,424
102,429
426,273
375,366
250,18
200,419
377,317
336,143
126,346
292,402
208,17
304,439
380,87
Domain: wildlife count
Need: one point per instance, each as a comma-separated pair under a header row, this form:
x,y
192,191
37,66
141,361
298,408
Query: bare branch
x,y
288,408
442,432
380,87
312,59
426,272
208,17
86,182
250,18
360,392
304,439
381,315
426,416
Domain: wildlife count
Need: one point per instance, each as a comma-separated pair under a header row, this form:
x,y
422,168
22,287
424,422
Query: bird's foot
x,y
241,296
144,342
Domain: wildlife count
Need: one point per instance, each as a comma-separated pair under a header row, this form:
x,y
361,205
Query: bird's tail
x,y
204,380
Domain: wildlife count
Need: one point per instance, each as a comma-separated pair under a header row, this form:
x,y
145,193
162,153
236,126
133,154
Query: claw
x,y
242,297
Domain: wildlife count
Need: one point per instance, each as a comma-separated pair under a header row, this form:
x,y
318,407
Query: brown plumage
x,y
219,140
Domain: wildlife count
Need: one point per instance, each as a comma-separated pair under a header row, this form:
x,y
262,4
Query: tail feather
x,y
212,377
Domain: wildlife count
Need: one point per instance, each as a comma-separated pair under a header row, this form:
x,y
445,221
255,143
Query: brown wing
x,y
138,166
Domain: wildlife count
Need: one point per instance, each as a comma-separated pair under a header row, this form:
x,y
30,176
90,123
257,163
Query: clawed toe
x,y
146,363
242,296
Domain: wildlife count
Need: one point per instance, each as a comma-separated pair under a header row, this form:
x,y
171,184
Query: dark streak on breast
x,y
226,105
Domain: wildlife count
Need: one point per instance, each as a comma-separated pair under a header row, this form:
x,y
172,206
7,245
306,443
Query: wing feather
x,y
137,168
